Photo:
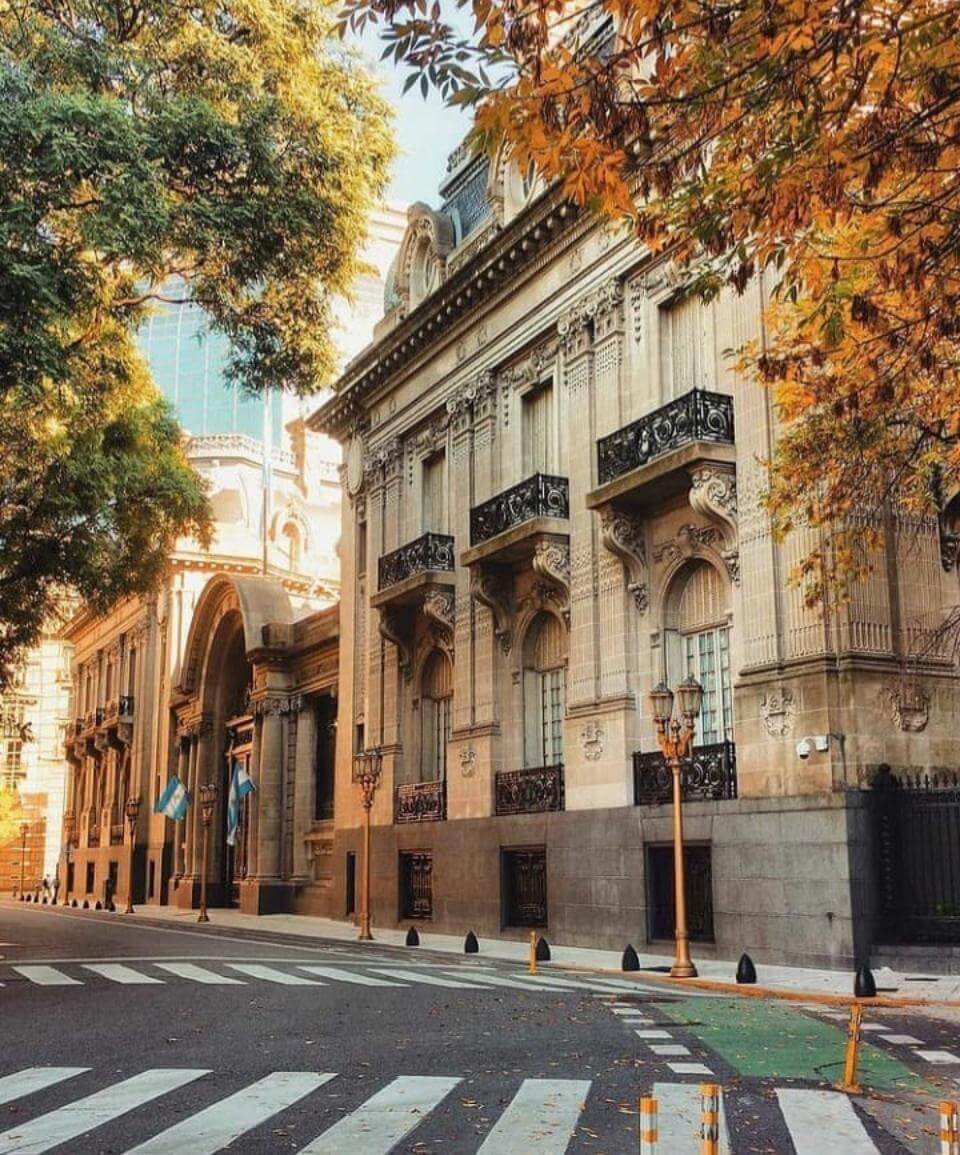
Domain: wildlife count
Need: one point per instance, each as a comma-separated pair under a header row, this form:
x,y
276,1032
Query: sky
x,y
427,131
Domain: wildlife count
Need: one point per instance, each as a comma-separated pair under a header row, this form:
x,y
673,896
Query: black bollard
x,y
470,944
629,962
746,971
86,904
543,950
99,905
74,904
112,906
44,902
413,939
864,986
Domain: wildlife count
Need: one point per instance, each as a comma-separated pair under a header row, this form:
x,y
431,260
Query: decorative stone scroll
x,y
440,609
623,535
713,494
491,587
393,629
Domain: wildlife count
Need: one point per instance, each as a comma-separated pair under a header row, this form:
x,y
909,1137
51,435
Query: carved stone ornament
x,y
353,466
713,494
591,741
493,588
385,458
393,628
778,710
551,562
468,762
622,534
909,706
470,393
439,608
688,541
276,704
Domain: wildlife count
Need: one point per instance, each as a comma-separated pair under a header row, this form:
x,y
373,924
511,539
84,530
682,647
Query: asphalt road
x,y
169,1040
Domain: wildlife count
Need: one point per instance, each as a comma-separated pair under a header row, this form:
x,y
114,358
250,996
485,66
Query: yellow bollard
x,y
849,1082
949,1128
709,1118
533,952
648,1126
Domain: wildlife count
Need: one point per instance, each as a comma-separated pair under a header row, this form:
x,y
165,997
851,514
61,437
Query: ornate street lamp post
x,y
132,810
208,801
367,768
675,736
24,831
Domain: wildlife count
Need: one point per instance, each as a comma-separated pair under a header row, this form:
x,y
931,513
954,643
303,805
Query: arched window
x,y
698,642
544,691
290,544
436,698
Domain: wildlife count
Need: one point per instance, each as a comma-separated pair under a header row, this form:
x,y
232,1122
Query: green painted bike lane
x,y
770,1040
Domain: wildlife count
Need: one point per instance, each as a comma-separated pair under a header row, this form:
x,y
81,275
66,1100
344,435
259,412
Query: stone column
x,y
269,800
183,772
190,823
304,783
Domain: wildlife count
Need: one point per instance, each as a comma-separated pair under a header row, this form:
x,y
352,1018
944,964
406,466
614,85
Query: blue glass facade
x,y
188,363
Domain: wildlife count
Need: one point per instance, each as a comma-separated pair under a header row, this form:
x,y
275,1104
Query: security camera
x,y
804,748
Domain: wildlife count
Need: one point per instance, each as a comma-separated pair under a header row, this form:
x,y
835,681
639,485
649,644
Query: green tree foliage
x,y
230,151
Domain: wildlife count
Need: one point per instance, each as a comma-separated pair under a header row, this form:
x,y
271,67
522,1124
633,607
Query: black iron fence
x,y
917,838
432,551
708,776
416,884
531,791
538,496
420,802
696,416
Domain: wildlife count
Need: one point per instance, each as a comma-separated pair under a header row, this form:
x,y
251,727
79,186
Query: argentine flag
x,y
241,784
174,800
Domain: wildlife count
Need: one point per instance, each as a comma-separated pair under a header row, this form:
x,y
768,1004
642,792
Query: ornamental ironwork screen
x,y
710,775
539,496
416,884
525,887
916,822
698,863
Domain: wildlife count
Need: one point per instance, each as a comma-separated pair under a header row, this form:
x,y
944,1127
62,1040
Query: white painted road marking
x,y
219,1125
429,980
690,1068
35,1079
379,1124
345,976
500,981
653,1034
77,1118
47,977
901,1040
117,973
820,1121
270,975
200,974
939,1058
541,1117
678,1117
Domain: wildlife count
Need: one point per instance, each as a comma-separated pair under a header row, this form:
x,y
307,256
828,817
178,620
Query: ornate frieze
x,y
384,460
622,534
689,540
276,704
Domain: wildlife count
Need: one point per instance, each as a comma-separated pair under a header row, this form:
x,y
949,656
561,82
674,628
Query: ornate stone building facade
x,y
554,488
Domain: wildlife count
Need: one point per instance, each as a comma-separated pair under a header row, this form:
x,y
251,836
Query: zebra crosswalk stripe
x,y
75,1119
678,1115
45,976
272,975
821,1121
501,981
338,974
379,1124
428,979
33,1079
197,974
541,1117
118,973
220,1124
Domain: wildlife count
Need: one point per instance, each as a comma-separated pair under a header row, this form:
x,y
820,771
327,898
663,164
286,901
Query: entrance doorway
x,y
698,869
351,884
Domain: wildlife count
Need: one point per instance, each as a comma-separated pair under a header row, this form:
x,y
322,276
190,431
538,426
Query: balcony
x,y
420,802
653,457
116,834
431,554
126,707
533,791
541,497
709,776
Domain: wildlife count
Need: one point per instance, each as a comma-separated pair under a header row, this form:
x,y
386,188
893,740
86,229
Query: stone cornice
x,y
513,250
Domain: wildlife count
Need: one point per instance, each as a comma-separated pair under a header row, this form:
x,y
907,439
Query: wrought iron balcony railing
x,y
98,716
433,551
710,775
126,705
420,802
696,416
530,791
538,496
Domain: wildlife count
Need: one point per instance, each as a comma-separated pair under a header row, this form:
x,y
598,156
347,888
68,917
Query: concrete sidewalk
x,y
943,988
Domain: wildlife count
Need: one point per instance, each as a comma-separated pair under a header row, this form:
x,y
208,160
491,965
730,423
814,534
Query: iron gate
x,y
916,821
525,887
416,884
698,874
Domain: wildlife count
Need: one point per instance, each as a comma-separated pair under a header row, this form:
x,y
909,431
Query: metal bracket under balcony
x,y
504,528
420,802
654,457
531,791
709,776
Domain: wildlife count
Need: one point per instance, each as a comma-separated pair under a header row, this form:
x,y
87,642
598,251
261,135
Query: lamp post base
x,y
129,909
203,917
683,971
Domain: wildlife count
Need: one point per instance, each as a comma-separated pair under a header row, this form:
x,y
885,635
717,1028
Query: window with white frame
x,y
544,691
537,430
436,700
434,494
697,639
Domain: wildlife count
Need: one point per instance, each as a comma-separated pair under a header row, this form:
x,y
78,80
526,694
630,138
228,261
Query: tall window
x,y
11,744
698,643
537,430
685,347
544,691
436,700
326,718
434,494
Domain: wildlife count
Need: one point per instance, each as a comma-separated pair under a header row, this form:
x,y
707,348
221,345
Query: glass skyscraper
x,y
188,362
